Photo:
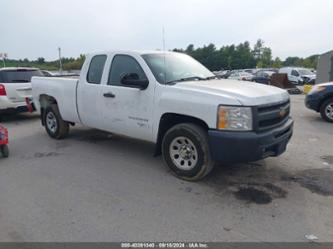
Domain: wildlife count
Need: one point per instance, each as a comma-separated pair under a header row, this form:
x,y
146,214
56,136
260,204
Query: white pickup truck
x,y
172,100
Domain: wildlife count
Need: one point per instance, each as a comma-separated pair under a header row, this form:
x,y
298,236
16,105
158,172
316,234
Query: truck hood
x,y
245,92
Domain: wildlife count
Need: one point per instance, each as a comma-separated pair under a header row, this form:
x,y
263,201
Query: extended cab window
x,y
122,65
96,67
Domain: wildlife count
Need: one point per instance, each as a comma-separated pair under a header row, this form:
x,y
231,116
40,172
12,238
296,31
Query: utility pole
x,y
3,56
60,63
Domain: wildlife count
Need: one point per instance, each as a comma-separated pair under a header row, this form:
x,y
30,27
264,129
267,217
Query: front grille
x,y
270,116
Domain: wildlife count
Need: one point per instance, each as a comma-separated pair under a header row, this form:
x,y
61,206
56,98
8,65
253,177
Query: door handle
x,y
109,95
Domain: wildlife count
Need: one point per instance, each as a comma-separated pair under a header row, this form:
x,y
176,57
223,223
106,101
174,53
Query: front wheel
x,y
55,126
326,110
186,151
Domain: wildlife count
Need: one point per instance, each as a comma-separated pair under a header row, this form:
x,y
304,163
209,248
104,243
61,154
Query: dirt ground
x,y
94,186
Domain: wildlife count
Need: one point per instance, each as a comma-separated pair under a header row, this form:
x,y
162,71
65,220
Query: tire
x,y
186,151
4,151
326,110
55,126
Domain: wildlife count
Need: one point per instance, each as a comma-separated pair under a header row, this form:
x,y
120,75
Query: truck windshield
x,y
173,67
305,72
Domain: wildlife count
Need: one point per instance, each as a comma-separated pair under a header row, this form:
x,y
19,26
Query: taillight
x,y
2,90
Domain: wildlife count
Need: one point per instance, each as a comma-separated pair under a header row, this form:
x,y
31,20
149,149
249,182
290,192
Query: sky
x,y
36,28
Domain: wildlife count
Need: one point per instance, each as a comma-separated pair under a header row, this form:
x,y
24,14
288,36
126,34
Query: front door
x,y
89,91
127,110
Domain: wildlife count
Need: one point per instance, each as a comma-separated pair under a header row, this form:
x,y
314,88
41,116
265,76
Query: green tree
x,y
277,63
265,59
40,60
234,56
258,49
74,64
291,61
189,49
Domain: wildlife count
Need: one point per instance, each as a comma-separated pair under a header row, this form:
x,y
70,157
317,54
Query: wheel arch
x,y
328,96
169,120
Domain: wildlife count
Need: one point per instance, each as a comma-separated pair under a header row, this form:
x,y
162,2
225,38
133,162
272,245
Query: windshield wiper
x,y
186,79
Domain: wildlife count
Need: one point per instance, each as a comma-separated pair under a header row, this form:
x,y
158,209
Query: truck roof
x,y
137,52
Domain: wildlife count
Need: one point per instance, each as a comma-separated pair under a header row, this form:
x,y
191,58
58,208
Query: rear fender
x,y
45,101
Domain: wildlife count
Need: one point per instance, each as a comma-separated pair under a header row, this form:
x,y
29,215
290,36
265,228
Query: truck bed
x,y
61,88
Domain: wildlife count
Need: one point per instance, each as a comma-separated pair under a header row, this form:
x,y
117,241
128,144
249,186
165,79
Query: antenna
x,y
163,41
60,63
163,38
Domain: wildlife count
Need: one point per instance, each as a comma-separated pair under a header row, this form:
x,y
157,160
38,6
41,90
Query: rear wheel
x,y
326,110
55,126
186,151
4,151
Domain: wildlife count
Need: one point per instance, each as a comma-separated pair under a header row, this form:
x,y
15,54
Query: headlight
x,y
305,79
234,118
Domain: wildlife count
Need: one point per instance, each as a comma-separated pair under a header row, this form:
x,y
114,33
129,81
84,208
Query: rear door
x,y
18,83
90,91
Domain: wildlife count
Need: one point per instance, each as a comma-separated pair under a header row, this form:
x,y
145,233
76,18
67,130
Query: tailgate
x,y
17,92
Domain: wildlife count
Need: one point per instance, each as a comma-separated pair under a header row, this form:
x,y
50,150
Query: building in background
x,y
325,68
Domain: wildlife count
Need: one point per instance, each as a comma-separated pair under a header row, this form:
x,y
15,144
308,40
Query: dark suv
x,y
320,99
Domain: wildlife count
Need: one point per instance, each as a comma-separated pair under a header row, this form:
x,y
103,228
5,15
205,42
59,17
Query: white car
x,y
241,76
171,100
298,75
15,86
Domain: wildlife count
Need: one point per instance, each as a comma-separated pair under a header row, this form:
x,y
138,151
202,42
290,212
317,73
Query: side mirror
x,y
132,80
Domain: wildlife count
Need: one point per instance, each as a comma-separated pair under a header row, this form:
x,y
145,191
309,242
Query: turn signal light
x,y
2,90
222,119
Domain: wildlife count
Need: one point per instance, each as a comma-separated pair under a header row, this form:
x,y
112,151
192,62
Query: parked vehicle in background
x,y
4,151
172,100
47,73
226,74
263,76
222,74
298,75
250,70
320,99
241,76
15,86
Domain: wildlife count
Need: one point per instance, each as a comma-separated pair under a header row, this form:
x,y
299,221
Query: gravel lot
x,y
93,186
